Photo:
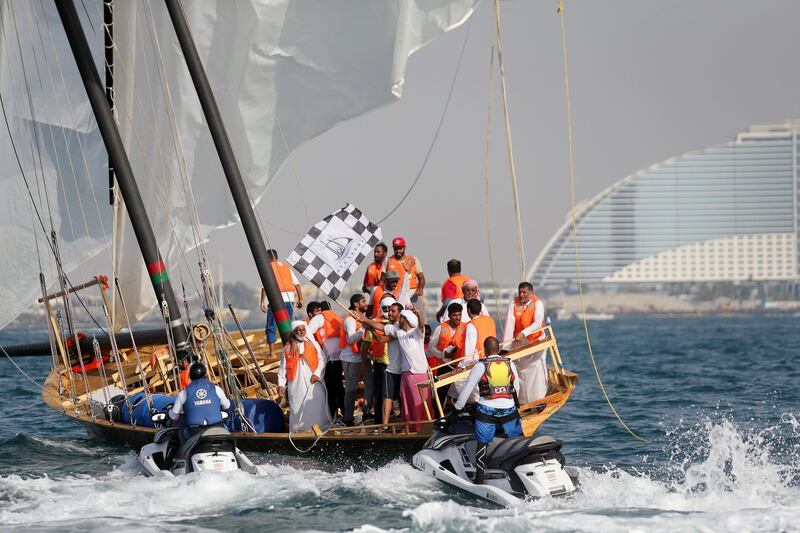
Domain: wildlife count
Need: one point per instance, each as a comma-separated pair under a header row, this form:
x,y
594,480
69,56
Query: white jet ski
x,y
517,468
213,449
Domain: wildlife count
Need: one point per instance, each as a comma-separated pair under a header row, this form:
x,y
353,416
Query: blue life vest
x,y
202,407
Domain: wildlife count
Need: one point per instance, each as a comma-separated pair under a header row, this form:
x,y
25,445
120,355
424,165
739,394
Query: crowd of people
x,y
384,342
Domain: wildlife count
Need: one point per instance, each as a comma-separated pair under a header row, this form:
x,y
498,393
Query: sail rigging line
x,y
35,129
151,174
78,137
290,163
509,148
25,180
205,267
438,127
145,384
487,176
60,271
183,168
571,174
46,390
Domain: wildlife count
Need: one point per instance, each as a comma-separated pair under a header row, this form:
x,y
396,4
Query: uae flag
x,y
334,248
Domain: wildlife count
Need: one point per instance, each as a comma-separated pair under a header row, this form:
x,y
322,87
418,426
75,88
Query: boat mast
x,y
231,168
123,172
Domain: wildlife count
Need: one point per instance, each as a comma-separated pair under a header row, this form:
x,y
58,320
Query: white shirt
x,y
538,320
472,381
177,407
301,348
395,365
412,348
464,314
353,334
471,342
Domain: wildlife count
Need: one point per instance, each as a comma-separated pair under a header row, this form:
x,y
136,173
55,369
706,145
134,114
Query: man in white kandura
x,y
301,368
525,316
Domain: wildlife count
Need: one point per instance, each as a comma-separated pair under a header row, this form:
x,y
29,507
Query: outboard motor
x,y
210,448
517,468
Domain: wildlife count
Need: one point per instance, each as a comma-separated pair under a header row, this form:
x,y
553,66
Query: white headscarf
x,y
411,317
386,301
297,323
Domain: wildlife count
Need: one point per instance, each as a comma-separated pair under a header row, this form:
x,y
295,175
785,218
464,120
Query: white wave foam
x,y
728,481
123,493
720,477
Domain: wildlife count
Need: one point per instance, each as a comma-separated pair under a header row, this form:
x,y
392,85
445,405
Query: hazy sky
x,y
649,79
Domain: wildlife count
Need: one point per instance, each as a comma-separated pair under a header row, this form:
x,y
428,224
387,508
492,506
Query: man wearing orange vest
x,y
391,285
376,350
407,264
328,336
469,290
301,369
479,328
451,288
290,290
350,341
447,341
372,277
525,316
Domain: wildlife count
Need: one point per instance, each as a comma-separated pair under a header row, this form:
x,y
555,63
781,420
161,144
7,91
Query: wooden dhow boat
x,y
133,118
131,369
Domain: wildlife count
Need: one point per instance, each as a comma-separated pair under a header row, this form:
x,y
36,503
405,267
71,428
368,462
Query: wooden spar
x,y
123,172
70,290
231,168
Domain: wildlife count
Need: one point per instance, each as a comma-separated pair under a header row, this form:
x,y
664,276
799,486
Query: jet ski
x,y
517,468
212,449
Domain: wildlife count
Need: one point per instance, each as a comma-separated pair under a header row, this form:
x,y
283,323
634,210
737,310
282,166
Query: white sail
x,y
60,151
305,65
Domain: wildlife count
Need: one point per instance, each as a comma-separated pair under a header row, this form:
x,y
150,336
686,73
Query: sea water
x,y
716,398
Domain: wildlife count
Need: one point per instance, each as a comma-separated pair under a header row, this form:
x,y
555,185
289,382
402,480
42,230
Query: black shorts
x,y
391,386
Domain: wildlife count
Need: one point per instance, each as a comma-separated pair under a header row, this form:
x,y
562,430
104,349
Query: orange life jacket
x,y
377,296
184,378
485,327
376,350
523,316
372,277
452,337
457,280
293,359
283,275
395,264
331,327
497,380
356,346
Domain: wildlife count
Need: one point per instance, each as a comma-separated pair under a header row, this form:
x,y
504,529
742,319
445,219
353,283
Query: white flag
x,y
334,248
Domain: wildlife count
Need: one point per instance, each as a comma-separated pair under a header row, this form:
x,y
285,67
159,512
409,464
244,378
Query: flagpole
x,y
230,167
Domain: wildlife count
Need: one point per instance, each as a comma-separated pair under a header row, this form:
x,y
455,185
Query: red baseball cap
x,y
398,242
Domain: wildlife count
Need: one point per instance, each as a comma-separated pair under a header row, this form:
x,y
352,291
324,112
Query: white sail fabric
x,y
60,150
304,64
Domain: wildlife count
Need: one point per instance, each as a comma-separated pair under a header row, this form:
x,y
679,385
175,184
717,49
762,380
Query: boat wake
x,y
718,476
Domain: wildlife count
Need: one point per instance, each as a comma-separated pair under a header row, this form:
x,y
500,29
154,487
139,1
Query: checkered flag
x,y
334,248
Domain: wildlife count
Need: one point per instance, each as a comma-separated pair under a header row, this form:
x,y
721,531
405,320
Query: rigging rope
x,y
438,127
486,172
30,378
560,4
509,148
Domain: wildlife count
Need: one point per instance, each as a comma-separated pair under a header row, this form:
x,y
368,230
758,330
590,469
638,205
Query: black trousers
x,y
334,382
378,376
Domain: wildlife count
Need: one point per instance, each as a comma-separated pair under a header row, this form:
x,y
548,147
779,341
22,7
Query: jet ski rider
x,y
201,402
497,405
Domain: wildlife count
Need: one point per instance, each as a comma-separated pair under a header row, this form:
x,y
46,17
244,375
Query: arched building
x,y
723,213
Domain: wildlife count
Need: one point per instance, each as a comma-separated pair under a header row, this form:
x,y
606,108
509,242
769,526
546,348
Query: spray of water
x,y
717,476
